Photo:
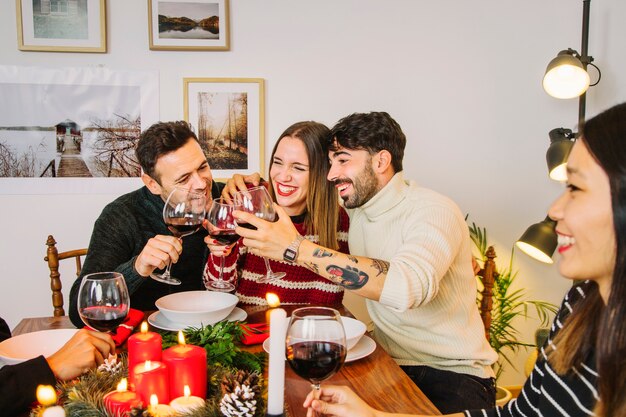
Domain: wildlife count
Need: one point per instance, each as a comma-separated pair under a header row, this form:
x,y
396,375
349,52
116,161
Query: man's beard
x,y
364,187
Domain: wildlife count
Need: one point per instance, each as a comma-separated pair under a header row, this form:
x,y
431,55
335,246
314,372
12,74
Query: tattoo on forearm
x,y
312,267
381,266
348,277
322,253
353,259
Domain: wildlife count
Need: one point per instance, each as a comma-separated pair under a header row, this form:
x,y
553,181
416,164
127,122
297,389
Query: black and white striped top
x,y
546,393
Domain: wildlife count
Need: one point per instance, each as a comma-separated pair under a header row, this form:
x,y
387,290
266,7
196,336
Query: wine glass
x,y
257,200
103,300
221,226
315,344
183,214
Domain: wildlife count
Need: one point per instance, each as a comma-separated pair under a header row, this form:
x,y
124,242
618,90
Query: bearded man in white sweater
x,y
409,257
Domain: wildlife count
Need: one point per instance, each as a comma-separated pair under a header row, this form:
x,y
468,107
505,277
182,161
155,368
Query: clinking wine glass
x,y
221,226
183,214
257,201
315,344
103,300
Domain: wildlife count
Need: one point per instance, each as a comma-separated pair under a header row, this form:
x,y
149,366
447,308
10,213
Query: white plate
x,y
158,320
365,347
30,345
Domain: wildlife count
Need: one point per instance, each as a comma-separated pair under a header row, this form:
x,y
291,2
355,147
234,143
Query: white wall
x,y
462,78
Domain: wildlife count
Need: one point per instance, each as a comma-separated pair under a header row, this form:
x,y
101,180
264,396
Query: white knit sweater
x,y
427,312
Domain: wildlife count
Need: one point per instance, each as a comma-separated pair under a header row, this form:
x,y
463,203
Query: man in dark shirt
x,y
130,235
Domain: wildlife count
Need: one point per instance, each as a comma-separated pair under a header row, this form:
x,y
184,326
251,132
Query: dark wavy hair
x,y
322,203
160,139
373,132
593,325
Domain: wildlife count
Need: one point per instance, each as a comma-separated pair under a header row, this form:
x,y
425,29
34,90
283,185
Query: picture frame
x,y
189,25
61,25
228,116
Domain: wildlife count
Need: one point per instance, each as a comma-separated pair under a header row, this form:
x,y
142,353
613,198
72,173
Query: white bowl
x,y
354,329
30,345
206,307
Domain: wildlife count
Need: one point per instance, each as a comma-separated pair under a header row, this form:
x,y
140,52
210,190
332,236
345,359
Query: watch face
x,y
289,255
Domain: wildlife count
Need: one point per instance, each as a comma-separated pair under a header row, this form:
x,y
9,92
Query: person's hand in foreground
x,y
271,238
158,253
239,183
85,350
338,401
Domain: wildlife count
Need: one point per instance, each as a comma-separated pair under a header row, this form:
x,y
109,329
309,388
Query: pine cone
x,y
239,392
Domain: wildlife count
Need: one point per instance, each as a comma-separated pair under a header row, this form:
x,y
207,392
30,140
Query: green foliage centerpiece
x,y
235,382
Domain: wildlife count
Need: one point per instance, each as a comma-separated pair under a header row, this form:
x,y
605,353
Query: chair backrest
x,y
488,275
53,257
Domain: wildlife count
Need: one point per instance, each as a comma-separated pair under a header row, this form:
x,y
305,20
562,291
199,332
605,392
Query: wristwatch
x,y
291,253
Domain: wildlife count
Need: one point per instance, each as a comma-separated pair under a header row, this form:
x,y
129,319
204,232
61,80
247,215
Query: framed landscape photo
x,y
228,116
61,25
192,25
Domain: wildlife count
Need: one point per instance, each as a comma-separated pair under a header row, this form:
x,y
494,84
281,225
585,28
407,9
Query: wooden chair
x,y
488,275
53,257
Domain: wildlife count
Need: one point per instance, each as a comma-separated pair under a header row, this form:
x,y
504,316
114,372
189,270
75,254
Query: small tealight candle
x,y
187,403
46,395
151,377
119,402
187,364
159,410
142,346
54,411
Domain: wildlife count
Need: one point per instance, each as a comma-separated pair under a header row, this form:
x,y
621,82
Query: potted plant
x,y
508,305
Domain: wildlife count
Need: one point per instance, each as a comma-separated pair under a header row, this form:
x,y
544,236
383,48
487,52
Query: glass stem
x,y
316,396
166,274
221,277
267,266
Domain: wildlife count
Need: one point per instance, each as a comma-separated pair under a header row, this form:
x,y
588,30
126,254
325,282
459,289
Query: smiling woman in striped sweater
x,y
581,370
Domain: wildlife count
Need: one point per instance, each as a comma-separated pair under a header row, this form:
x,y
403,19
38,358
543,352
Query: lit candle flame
x,y
272,300
187,391
147,366
181,338
154,400
46,395
144,327
122,386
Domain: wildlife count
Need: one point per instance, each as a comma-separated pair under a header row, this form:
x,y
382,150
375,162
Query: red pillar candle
x,y
119,402
152,378
142,346
187,365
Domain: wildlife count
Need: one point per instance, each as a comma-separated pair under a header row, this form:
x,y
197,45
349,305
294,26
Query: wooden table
x,y
377,378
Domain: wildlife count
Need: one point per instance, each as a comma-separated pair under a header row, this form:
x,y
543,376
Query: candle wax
x,y
187,364
142,347
186,404
276,371
118,403
56,411
153,380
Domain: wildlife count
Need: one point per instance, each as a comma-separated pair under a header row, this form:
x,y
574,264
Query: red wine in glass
x,y
224,237
183,226
316,360
104,318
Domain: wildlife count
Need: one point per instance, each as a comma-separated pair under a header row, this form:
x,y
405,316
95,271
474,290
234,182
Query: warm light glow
x,y
272,299
122,386
566,81
181,338
154,400
186,391
534,252
147,366
46,395
559,173
144,327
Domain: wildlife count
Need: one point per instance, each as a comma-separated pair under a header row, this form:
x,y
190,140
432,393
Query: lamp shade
x,y
561,144
566,76
539,241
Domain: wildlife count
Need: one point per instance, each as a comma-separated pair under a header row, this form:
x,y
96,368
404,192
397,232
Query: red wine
x,y
103,318
246,225
316,361
183,226
225,236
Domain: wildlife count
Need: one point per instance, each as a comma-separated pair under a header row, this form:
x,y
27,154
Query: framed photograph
x,y
191,25
228,116
61,25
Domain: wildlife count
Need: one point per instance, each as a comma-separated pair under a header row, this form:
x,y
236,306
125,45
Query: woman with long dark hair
x,y
298,164
582,368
